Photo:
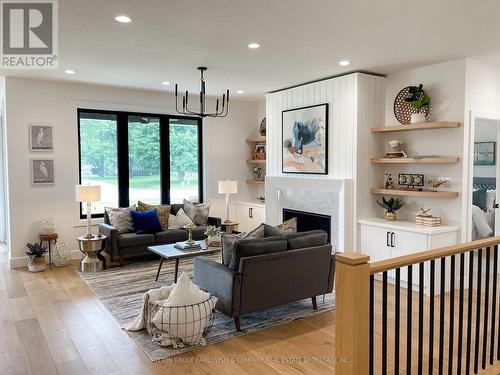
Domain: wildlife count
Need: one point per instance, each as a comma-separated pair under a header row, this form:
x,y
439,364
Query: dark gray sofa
x,y
269,272
120,245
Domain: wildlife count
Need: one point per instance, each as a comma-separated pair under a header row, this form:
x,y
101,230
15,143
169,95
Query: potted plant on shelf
x,y
259,173
391,206
418,99
213,234
36,254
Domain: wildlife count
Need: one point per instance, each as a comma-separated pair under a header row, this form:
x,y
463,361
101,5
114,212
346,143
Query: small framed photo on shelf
x,y
259,152
411,180
484,153
41,138
42,172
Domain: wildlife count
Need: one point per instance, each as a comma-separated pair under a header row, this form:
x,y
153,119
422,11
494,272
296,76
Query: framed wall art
x,y
42,172
41,138
305,140
484,153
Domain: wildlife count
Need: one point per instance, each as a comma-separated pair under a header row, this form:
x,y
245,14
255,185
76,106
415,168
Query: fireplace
x,y
309,221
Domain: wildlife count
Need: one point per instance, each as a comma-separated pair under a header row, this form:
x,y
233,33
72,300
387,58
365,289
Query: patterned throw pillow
x,y
179,220
289,226
121,219
230,241
162,210
197,213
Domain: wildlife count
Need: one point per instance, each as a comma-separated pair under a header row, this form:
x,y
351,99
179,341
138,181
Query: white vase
x,y
417,118
48,225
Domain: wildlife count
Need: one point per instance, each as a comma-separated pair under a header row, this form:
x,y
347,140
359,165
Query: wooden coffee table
x,y
167,252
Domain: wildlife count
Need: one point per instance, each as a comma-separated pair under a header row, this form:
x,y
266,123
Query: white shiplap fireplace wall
x,y
356,103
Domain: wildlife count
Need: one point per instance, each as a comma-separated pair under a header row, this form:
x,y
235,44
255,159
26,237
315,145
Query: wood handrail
x,y
424,256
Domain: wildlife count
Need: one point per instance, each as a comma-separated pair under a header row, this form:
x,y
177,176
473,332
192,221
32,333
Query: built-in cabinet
x,y
382,240
250,215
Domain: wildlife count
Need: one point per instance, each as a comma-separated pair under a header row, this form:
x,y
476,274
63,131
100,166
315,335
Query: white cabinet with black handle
x,y
382,240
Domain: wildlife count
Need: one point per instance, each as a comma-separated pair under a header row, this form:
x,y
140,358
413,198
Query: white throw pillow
x,y
179,220
121,218
186,312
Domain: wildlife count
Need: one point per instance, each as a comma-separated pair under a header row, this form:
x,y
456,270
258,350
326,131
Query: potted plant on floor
x,y
418,99
36,256
391,206
213,234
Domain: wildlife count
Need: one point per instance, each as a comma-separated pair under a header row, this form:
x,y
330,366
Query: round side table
x,y
230,227
92,247
49,238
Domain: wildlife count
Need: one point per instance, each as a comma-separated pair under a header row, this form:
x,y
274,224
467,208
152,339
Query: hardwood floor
x,y
52,323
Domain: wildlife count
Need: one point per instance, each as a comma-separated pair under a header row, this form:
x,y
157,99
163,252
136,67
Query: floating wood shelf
x,y
421,126
249,161
256,140
256,182
416,193
429,160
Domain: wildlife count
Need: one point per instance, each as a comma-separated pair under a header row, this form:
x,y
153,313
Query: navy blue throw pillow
x,y
146,221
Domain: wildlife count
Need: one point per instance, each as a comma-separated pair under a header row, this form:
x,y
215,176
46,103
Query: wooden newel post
x,y
352,316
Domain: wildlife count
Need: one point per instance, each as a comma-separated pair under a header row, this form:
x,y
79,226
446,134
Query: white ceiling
x,y
301,40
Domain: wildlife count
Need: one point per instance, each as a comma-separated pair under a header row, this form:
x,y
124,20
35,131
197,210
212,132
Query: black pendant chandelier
x,y
220,111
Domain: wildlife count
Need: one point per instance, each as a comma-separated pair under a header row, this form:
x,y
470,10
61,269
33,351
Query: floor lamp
x,y
228,187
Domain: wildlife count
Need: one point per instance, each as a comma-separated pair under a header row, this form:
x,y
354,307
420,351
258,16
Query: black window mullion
x,y
123,163
165,159
200,160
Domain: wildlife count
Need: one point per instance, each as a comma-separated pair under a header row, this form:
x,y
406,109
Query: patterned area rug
x,y
121,289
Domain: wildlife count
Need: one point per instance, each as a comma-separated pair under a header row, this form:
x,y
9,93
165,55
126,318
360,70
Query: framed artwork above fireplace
x,y
305,140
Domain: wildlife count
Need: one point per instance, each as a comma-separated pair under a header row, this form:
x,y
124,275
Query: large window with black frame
x,y
139,156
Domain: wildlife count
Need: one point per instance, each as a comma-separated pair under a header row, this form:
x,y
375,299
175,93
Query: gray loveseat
x,y
120,245
269,272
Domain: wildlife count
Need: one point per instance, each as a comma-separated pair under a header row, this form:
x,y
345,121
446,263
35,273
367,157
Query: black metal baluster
x,y
493,304
409,315
478,309
452,315
441,316
469,313
372,348
397,311
420,317
431,317
384,322
486,304
460,313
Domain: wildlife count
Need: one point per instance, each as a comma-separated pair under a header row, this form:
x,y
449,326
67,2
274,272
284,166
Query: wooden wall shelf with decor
x,y
416,193
421,126
429,160
258,139
256,161
256,182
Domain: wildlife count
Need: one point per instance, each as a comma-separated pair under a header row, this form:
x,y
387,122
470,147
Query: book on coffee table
x,y
187,246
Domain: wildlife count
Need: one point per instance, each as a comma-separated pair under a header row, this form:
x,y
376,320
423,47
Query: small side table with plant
x,y
390,206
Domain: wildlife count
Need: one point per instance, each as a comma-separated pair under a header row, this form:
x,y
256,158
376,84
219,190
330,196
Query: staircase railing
x,y
430,312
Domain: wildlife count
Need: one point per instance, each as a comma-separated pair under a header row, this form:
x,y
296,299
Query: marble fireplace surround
x,y
314,195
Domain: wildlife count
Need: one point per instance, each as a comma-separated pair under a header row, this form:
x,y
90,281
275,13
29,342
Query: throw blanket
x,y
153,295
480,227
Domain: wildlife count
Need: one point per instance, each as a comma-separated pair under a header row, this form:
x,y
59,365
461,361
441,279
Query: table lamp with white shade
x,y
88,194
228,187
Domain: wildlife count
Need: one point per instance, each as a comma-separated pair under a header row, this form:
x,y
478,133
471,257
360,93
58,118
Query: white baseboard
x,y
23,261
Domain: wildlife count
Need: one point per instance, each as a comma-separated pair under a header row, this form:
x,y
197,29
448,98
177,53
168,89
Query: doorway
x,y
484,217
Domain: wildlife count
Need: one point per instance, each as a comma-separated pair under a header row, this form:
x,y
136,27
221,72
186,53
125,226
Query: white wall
x,y
445,83
485,131
355,104
3,174
56,103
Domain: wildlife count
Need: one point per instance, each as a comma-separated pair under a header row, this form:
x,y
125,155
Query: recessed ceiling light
x,y
165,83
254,45
69,71
123,19
239,92
344,62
